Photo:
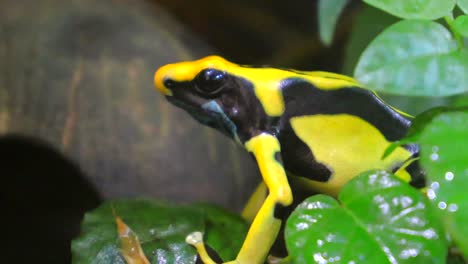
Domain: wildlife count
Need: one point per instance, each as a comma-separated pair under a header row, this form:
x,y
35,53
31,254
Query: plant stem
x,y
449,20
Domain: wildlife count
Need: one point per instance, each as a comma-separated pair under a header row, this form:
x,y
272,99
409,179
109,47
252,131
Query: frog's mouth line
x,y
210,114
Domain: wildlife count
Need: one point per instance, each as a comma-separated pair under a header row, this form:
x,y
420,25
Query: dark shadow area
x,y
266,32
43,197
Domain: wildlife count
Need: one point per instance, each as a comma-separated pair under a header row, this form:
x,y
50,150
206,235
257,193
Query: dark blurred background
x,y
80,121
265,32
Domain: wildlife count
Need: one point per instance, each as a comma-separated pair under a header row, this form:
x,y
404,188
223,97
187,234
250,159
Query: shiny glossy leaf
x,y
415,9
414,58
444,155
161,230
328,14
369,22
463,4
461,25
380,220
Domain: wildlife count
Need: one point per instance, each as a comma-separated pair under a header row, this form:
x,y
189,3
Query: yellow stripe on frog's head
x,y
187,71
266,82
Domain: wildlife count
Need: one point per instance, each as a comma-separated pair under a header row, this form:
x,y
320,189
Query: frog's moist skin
x,y
316,128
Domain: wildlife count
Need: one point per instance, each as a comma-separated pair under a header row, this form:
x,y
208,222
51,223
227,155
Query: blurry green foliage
x,y
329,12
161,229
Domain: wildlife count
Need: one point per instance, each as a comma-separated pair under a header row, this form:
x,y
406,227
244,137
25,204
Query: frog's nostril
x,y
160,78
169,83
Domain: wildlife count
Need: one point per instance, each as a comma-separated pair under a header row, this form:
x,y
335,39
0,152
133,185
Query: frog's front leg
x,y
265,226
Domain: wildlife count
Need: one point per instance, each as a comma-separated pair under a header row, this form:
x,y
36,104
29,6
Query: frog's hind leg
x,y
255,202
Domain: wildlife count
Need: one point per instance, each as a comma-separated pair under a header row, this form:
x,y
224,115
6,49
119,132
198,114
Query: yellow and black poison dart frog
x,y
315,129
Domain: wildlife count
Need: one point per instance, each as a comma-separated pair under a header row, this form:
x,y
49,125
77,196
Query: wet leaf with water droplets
x,y
444,155
417,126
380,220
161,230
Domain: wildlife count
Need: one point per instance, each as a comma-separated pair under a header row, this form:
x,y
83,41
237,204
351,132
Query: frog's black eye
x,y
210,81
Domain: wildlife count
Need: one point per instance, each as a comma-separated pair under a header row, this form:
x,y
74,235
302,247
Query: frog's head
x,y
208,90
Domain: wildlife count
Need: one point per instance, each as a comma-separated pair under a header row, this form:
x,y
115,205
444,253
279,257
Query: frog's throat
x,y
213,106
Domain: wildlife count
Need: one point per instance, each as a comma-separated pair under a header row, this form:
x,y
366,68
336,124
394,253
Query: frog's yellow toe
x,y
196,239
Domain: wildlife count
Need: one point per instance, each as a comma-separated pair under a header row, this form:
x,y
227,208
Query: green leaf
x,y
380,220
461,25
415,105
444,156
389,150
160,228
418,58
461,100
419,123
368,24
417,126
463,4
328,14
415,9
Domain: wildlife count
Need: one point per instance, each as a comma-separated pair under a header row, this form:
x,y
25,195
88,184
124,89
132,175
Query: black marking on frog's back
x,y
298,158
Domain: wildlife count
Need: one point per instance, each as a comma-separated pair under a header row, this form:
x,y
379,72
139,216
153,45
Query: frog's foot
x,y
196,239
